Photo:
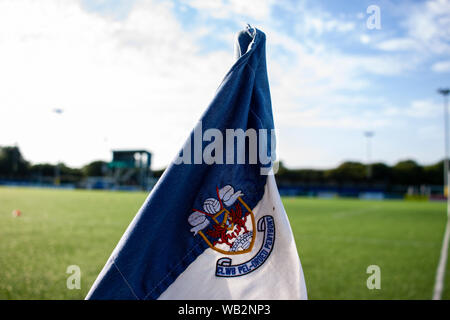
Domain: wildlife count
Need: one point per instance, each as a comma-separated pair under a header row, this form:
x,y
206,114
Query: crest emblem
x,y
226,223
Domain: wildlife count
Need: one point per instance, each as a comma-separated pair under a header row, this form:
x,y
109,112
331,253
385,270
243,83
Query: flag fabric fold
x,y
214,226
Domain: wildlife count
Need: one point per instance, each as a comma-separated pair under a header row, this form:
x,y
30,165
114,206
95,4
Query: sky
x,y
139,74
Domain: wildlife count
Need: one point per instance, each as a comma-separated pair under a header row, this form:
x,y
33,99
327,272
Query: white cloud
x,y
430,24
324,24
419,109
427,29
422,109
397,44
121,83
364,39
441,66
143,81
258,10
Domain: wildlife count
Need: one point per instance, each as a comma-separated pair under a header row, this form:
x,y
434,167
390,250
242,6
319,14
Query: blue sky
x,y
143,72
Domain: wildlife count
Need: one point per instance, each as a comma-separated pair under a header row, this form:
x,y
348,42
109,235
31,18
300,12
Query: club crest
x,y
225,222
227,225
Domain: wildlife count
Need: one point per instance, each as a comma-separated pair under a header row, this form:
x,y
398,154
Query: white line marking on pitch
x,y
440,273
347,213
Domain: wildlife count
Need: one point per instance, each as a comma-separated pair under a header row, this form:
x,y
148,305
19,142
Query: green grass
x,y
58,229
337,240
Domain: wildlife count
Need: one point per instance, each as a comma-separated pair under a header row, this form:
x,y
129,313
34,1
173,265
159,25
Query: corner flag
x,y
214,226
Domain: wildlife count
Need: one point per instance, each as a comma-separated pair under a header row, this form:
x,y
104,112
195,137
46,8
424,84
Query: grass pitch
x,y
337,240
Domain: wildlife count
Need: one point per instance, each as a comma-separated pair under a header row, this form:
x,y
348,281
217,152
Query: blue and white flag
x,y
214,226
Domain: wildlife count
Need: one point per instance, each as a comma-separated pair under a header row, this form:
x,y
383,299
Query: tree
x,y
347,172
434,174
95,169
288,176
381,172
12,164
69,175
43,170
407,172
158,173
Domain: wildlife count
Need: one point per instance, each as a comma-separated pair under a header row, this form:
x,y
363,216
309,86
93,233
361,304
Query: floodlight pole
x,y
57,178
369,134
445,92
